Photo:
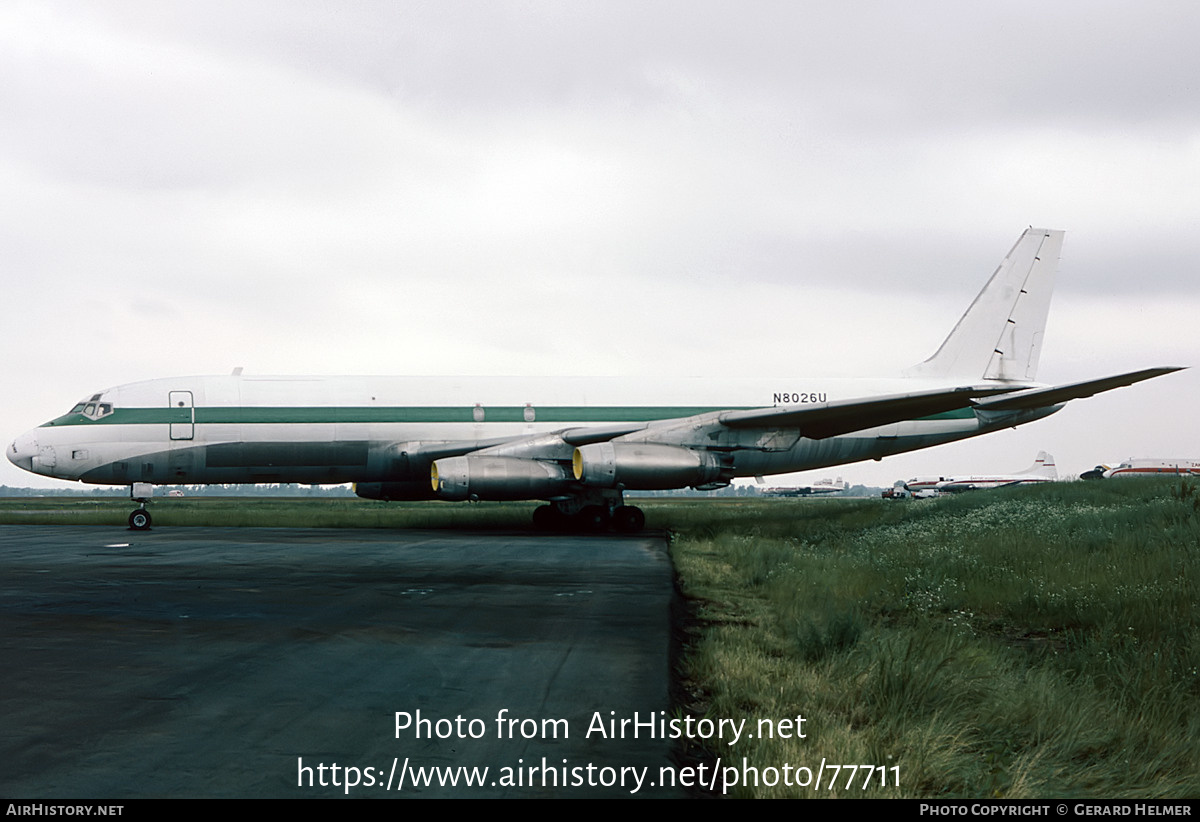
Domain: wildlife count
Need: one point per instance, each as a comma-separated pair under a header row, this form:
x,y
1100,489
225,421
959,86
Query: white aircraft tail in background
x,y
577,443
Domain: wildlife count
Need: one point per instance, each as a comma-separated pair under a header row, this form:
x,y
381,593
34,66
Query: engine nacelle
x,y
497,478
411,490
644,466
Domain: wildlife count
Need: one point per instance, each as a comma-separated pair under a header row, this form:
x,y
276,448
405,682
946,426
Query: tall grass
x,y
1025,643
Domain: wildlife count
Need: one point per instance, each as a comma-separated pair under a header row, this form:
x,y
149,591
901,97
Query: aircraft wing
x,y
528,446
453,448
834,418
813,421
600,433
1054,395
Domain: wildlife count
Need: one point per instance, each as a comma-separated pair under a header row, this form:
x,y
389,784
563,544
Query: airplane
x,y
1042,470
825,486
577,444
926,486
1146,467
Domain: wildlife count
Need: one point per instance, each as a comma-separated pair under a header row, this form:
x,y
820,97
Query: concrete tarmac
x,y
248,662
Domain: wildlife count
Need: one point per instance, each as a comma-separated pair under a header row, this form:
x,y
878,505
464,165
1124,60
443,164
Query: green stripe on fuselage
x,y
218,415
221,415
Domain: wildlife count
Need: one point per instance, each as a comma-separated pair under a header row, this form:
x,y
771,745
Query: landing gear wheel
x,y
591,518
547,518
628,519
139,520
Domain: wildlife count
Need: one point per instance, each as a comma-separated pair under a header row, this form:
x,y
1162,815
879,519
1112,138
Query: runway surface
x,y
224,662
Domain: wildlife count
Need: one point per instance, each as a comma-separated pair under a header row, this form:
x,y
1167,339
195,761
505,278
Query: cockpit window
x,y
93,410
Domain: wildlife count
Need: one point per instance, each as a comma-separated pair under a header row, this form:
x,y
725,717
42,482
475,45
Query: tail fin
x,y
1043,466
1000,335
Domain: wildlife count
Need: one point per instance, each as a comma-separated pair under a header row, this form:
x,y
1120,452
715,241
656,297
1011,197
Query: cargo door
x,y
183,415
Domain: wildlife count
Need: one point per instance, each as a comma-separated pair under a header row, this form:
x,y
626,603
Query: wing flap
x,y
1057,394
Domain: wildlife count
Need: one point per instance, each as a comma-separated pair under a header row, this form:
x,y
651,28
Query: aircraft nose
x,y
22,450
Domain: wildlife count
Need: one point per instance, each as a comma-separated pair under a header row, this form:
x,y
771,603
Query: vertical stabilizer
x,y
1000,335
1043,466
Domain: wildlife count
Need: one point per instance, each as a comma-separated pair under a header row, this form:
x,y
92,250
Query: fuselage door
x,y
183,415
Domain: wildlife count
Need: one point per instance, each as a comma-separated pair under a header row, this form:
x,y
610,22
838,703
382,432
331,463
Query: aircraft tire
x,y
139,520
629,519
591,519
547,518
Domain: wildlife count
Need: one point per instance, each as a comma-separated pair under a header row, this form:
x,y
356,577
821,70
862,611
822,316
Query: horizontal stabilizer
x,y
834,418
1058,394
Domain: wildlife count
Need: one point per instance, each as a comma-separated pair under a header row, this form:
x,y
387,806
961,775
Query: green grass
x,y
1029,643
1025,643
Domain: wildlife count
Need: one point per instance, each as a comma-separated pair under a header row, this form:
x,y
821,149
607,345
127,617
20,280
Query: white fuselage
x,y
983,483
1150,467
238,429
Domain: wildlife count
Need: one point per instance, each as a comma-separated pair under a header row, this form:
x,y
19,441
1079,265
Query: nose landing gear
x,y
139,520
140,492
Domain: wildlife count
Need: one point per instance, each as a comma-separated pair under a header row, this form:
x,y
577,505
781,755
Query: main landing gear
x,y
589,519
140,492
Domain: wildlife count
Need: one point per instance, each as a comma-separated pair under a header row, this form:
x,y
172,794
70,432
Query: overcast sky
x,y
781,189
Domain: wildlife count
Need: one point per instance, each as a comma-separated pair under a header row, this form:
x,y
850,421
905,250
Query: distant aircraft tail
x,y
1000,335
1043,466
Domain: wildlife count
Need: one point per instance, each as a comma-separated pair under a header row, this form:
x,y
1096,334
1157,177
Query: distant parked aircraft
x,y
1042,470
825,486
1150,467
